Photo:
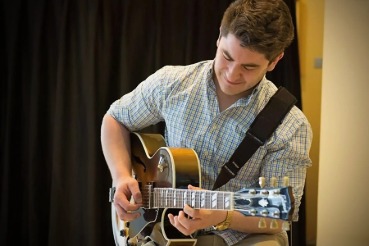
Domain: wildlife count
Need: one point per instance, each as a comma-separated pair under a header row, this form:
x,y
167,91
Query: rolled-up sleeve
x,y
141,107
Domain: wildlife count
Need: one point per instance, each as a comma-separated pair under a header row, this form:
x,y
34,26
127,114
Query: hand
x,y
190,220
126,189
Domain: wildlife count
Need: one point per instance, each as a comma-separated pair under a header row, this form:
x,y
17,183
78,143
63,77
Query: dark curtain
x,y
62,64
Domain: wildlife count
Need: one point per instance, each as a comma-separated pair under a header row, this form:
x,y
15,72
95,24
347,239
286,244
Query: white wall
x,y
343,195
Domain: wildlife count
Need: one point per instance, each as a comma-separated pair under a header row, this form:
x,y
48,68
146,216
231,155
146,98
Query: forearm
x,y
115,141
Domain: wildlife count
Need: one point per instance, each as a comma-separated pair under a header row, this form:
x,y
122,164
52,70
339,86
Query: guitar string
x,y
199,199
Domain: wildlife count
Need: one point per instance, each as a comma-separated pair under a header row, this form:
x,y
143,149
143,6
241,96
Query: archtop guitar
x,y
164,173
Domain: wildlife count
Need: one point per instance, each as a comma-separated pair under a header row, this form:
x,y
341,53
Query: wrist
x,y
121,175
226,223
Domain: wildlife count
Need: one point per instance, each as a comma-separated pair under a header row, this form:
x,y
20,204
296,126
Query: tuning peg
x,y
273,182
276,214
262,223
273,224
262,182
286,181
264,212
252,192
286,226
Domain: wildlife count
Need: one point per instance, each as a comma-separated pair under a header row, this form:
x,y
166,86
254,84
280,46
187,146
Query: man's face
x,y
238,69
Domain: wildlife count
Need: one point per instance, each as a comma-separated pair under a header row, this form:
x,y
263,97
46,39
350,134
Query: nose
x,y
233,72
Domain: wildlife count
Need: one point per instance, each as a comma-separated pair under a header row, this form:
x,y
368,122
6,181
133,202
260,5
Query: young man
x,y
209,106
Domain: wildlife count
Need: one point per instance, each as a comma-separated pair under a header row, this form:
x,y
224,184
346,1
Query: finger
x,y
190,211
125,209
131,215
126,215
171,218
136,193
184,220
120,201
191,187
177,224
119,211
121,198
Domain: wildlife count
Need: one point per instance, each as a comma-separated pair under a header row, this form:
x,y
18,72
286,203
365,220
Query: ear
x,y
219,37
275,61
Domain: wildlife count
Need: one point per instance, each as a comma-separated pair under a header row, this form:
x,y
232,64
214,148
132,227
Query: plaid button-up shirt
x,y
184,97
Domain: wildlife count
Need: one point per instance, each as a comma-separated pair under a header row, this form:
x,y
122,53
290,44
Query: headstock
x,y
267,202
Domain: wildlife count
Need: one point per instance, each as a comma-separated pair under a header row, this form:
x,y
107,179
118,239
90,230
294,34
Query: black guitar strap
x,y
259,132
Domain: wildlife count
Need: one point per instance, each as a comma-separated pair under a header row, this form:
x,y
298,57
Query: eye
x,y
248,68
226,57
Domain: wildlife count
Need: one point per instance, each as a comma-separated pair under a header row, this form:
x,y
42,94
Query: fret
x,y
184,196
162,201
214,200
220,201
159,200
203,200
193,199
173,198
169,201
198,196
227,201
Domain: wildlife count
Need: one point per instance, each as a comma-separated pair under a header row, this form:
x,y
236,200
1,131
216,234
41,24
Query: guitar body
x,y
156,165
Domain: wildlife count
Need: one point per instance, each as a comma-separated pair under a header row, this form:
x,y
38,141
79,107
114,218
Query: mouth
x,y
231,82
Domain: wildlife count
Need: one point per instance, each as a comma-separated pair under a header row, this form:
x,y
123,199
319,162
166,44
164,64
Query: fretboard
x,y
177,198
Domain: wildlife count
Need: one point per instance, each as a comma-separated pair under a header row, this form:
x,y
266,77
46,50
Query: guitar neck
x,y
199,199
269,202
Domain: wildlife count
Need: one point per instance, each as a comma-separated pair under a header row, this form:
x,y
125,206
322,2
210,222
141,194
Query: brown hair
x,y
264,26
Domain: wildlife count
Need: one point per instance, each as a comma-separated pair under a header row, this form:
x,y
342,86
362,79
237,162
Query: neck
x,y
225,101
